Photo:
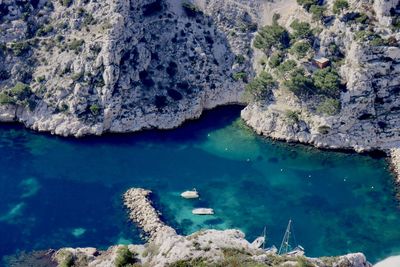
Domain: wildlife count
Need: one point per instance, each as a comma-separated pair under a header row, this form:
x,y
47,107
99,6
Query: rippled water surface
x,y
58,192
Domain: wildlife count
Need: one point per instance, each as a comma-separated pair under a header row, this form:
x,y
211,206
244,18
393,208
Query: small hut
x,y
321,62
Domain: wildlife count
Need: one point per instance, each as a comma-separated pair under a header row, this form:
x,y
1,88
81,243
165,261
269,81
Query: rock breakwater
x,y
142,212
395,161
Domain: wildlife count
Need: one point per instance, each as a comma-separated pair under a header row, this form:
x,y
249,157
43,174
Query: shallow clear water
x,y
58,192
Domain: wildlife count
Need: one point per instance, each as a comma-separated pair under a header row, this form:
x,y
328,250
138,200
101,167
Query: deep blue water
x,y
58,192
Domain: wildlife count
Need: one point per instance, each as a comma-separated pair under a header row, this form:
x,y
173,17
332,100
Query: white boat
x,y
261,241
203,211
190,194
258,242
297,251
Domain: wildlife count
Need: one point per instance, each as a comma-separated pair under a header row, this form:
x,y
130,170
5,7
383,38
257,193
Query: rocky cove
x,y
77,68
75,200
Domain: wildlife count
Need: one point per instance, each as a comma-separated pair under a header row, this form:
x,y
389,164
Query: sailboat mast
x,y
265,237
284,248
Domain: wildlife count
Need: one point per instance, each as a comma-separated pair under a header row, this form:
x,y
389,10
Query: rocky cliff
x,y
77,67
88,67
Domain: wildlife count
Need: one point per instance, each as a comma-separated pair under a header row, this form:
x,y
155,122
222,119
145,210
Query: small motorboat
x,y
190,194
297,251
203,211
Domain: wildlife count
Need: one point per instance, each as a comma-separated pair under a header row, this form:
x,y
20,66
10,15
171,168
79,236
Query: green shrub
x,y
21,91
300,49
261,86
292,117
124,257
272,36
94,109
6,99
362,18
275,18
324,129
66,3
327,81
299,83
317,12
301,30
44,30
76,44
307,3
40,79
378,41
20,48
339,6
329,106
275,59
77,76
67,261
286,67
240,76
240,59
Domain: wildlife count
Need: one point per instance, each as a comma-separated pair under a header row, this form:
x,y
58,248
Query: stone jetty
x,y
395,162
142,212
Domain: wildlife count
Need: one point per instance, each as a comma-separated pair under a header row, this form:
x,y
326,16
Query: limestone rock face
x,y
369,118
121,66
383,9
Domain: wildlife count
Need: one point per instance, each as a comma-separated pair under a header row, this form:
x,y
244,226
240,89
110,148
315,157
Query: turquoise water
x,y
60,192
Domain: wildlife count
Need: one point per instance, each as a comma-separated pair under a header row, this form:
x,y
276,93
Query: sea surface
x,y
58,192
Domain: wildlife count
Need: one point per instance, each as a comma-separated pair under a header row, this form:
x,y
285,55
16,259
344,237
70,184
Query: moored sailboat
x,y
286,248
